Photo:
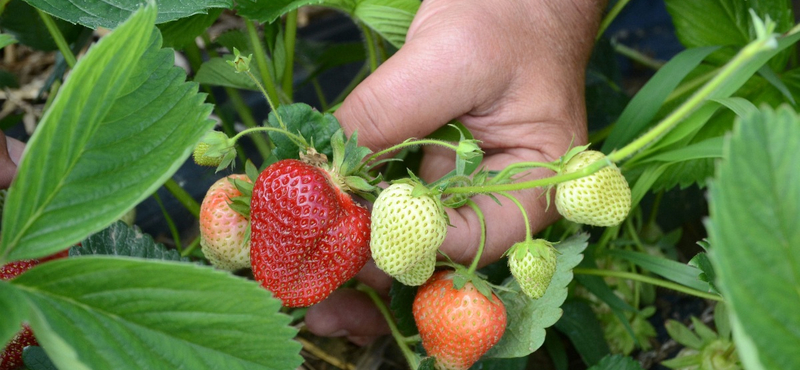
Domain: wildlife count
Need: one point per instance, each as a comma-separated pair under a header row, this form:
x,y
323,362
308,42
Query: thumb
x,y
412,94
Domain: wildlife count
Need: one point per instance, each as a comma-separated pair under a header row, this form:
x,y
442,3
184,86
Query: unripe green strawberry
x,y
533,264
600,199
405,228
223,231
419,273
200,157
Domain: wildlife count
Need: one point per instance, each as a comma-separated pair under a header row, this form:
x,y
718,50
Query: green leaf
x,y
121,125
13,309
235,39
321,57
267,11
179,33
617,362
724,22
314,126
707,274
519,363
217,72
681,334
123,313
641,110
580,324
402,300
678,272
119,239
390,18
35,358
22,21
6,39
108,14
528,318
754,208
709,148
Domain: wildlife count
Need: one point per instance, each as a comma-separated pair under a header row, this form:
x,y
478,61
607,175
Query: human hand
x,y
10,153
513,74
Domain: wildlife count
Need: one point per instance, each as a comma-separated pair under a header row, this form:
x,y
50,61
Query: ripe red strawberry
x,y
457,326
308,236
223,231
11,357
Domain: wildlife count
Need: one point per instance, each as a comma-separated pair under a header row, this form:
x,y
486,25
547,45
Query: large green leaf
x,y
119,239
13,311
316,127
267,11
580,324
528,318
754,208
724,22
23,22
110,14
121,125
641,110
390,18
179,33
126,313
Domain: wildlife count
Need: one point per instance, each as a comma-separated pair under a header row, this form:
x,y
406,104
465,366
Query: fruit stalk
x,y
402,342
648,280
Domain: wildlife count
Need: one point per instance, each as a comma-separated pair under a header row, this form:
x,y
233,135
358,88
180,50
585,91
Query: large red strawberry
x,y
11,357
457,326
308,236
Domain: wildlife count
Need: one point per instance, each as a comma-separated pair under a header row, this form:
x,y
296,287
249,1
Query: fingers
x,y
349,313
10,151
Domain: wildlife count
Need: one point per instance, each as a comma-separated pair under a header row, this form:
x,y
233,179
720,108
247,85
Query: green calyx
x,y
346,168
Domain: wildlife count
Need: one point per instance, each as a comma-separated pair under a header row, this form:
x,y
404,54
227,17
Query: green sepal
x,y
359,185
571,153
239,63
251,171
241,205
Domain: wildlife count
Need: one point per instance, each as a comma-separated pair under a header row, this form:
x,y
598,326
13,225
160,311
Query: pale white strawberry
x,y
407,229
224,232
600,199
419,273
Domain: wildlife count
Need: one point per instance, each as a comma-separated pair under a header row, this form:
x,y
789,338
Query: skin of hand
x,y
513,73
10,153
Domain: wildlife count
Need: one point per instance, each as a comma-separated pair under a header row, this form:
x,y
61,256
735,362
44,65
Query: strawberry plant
x,y
686,195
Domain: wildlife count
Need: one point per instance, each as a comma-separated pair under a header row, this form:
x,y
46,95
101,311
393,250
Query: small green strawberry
x,y
223,231
600,199
215,149
406,227
533,264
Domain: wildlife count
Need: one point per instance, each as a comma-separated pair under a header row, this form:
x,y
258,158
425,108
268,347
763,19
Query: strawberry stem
x,y
402,342
297,139
521,166
409,143
648,280
528,231
474,265
552,180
